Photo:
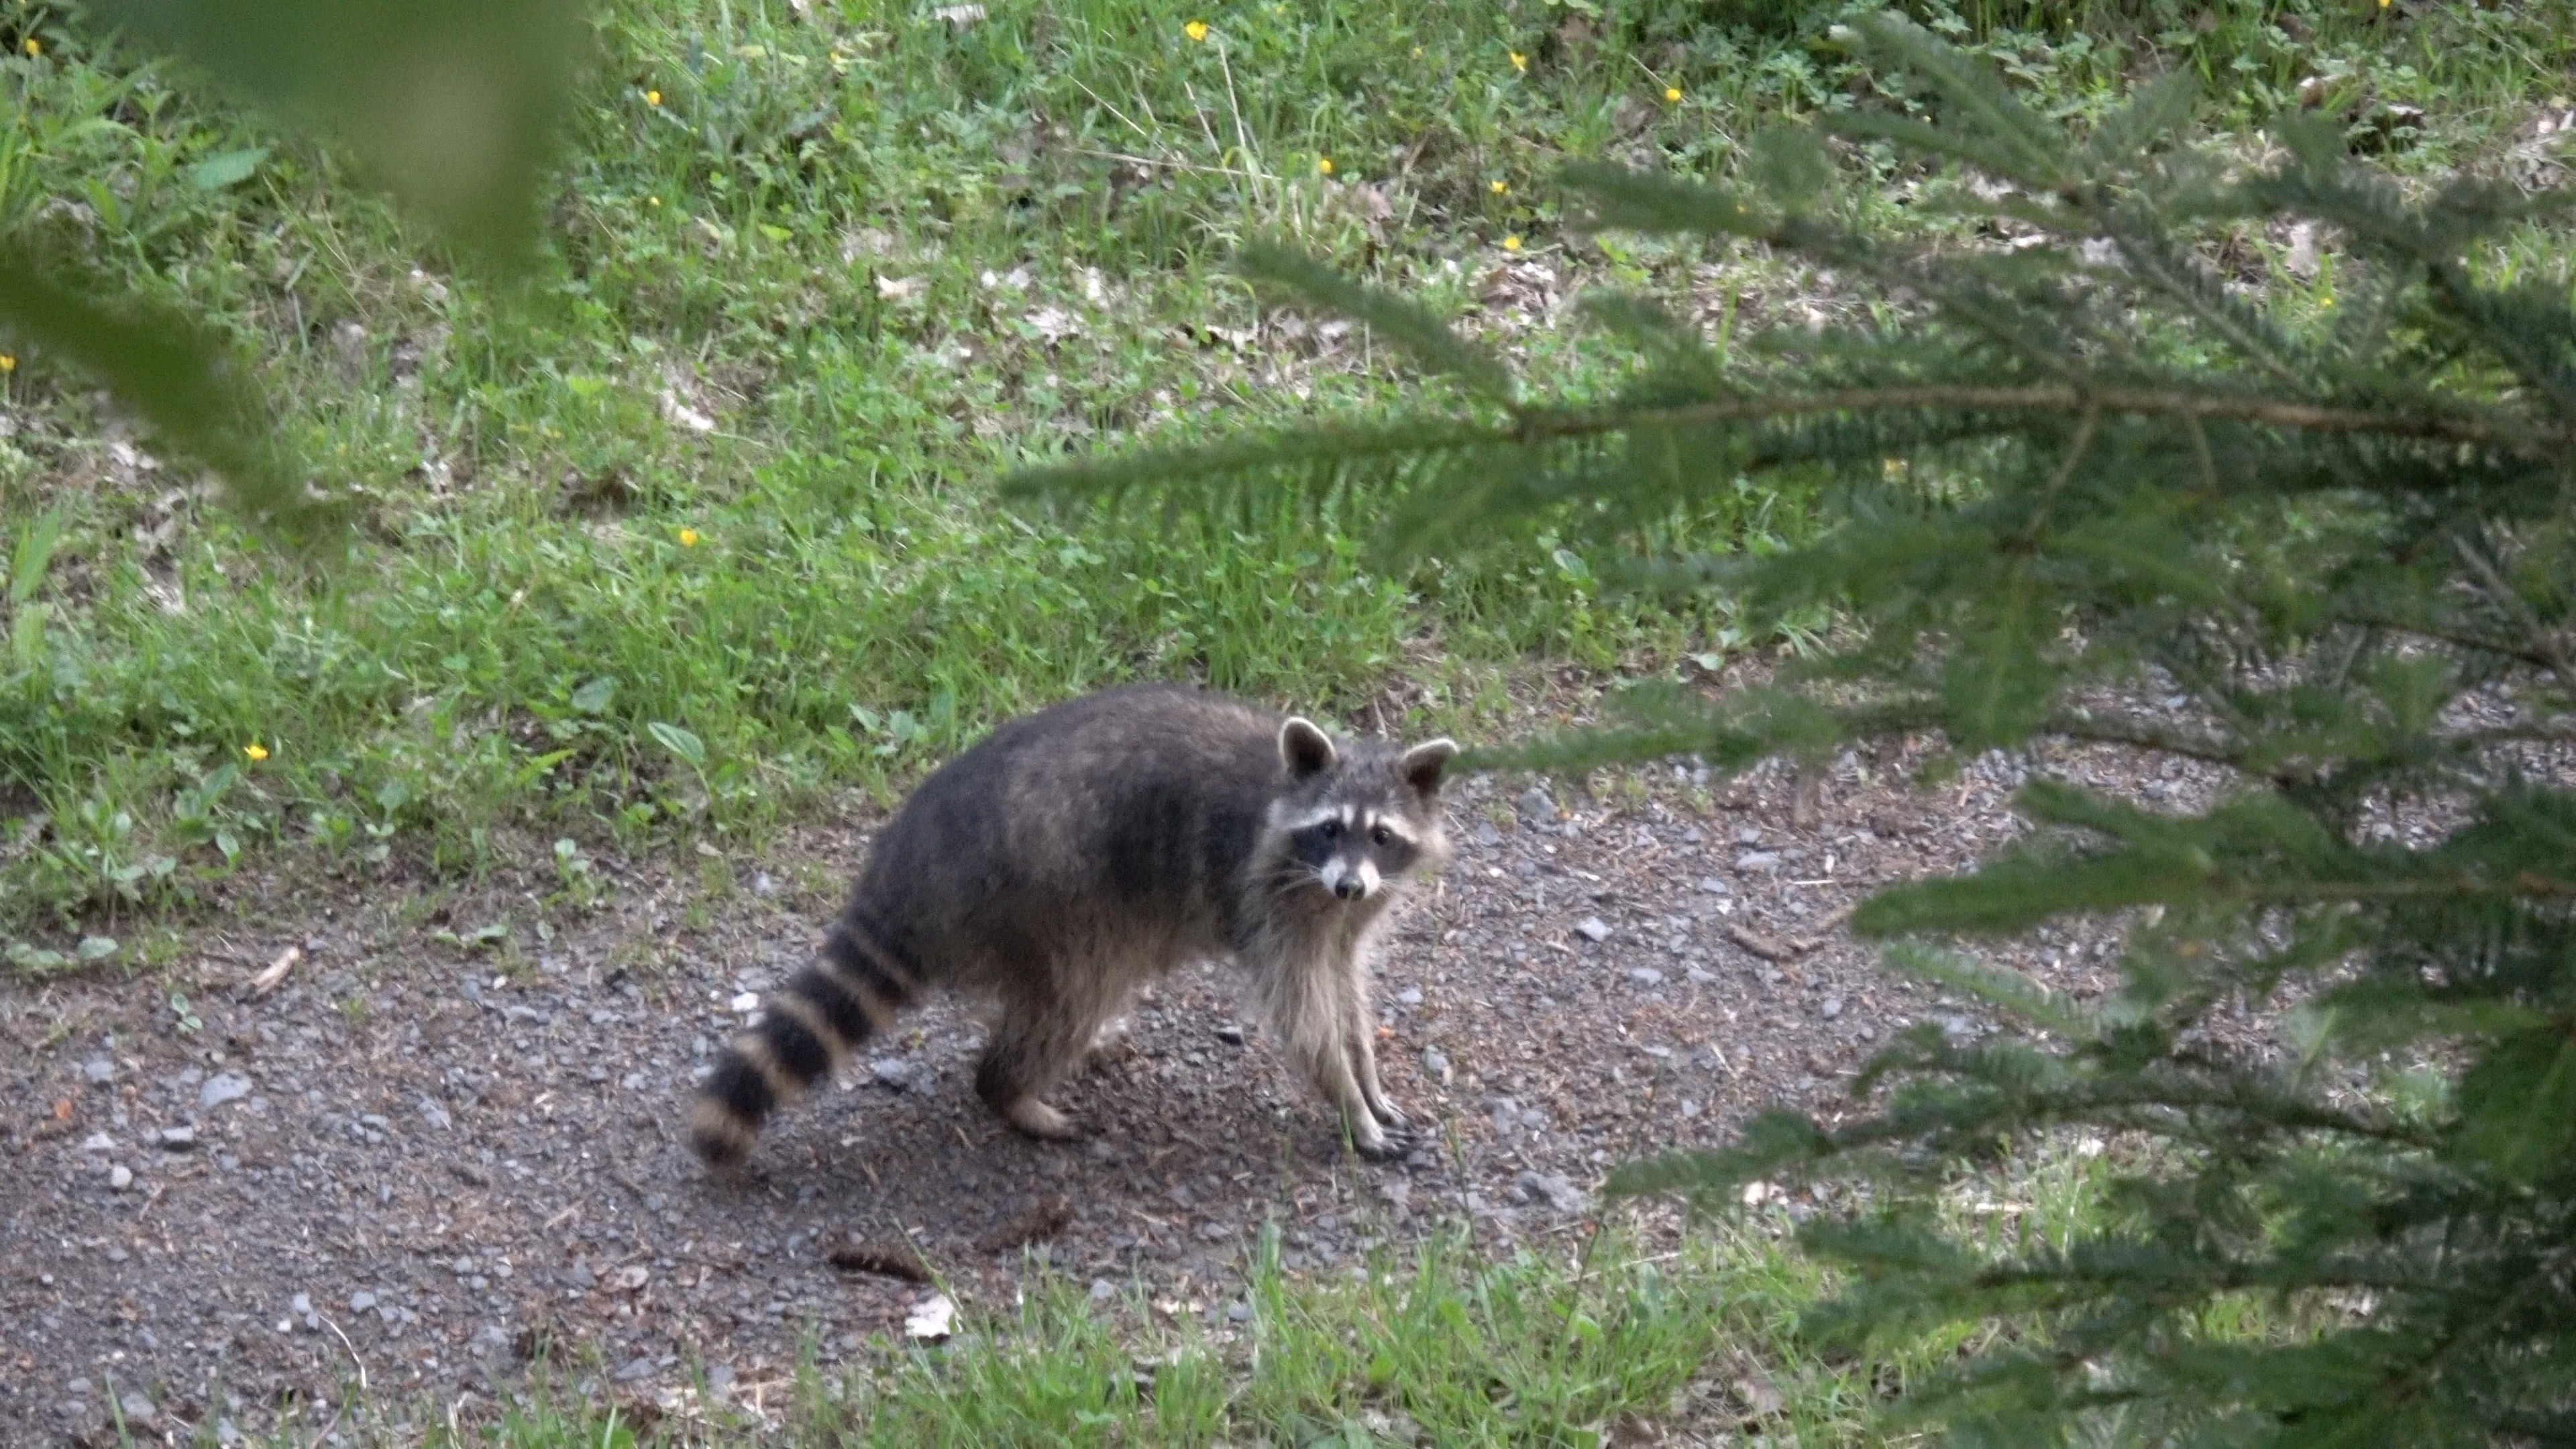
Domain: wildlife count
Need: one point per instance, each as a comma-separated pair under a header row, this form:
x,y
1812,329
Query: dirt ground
x,y
433,1147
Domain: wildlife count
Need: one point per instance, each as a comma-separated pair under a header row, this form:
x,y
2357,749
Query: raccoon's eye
x,y
1332,830
1380,835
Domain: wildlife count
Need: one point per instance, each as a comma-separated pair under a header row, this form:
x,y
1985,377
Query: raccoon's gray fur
x,y
1076,854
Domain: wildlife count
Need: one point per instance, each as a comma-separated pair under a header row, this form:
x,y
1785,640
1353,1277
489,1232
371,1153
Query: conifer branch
x,y
2139,734
1536,425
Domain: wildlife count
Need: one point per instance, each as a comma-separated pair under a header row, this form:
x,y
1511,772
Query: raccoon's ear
x,y
1423,763
1304,747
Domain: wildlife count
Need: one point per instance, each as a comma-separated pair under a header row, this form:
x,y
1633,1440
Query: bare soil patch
x,y
422,1158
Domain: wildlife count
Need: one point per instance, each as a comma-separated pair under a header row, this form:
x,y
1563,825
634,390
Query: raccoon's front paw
x,y
1388,1115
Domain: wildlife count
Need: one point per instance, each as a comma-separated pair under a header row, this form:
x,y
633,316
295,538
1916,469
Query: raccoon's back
x,y
1133,805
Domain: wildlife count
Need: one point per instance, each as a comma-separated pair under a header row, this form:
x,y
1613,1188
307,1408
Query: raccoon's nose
x,y
1349,888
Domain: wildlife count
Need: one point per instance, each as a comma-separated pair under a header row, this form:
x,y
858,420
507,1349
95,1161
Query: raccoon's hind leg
x,y
1036,1044
849,993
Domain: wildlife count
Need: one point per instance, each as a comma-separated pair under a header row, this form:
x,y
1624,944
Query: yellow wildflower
x,y
1520,62
256,751
8,363
32,46
652,201
688,538
1502,188
652,98
1196,30
1324,165
1511,244
1672,93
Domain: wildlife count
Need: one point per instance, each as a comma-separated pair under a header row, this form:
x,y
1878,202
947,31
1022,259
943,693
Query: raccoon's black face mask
x,y
1363,819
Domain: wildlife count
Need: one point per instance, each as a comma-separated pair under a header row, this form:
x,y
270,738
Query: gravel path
x,y
434,1146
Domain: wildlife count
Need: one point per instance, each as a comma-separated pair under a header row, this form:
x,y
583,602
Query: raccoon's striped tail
x,y
850,992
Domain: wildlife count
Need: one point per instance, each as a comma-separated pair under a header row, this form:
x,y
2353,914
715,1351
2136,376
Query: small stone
x,y
634,1369
1715,887
1409,996
434,1114
1646,976
99,1071
178,1139
1239,1313
1593,929
1435,1064
764,884
139,1411
1747,835
120,1177
1487,835
98,1142
1699,977
892,1071
1758,860
1832,1008
1102,1290
1692,836
222,1087
1535,804
361,1301
1548,1188
746,1001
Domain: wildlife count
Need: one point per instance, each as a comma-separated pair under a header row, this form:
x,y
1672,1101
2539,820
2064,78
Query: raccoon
x,y
1078,853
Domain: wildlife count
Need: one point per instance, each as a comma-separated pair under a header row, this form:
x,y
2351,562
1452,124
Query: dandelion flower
x,y
1520,62
1502,188
1672,93
1196,30
8,363
256,751
32,46
1324,165
652,201
688,538
1511,244
652,98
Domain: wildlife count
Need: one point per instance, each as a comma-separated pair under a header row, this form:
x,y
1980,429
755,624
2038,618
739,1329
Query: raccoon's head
x,y
1355,819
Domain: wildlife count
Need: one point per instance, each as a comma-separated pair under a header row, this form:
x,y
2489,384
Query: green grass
x,y
696,530
1439,1346
1570,1341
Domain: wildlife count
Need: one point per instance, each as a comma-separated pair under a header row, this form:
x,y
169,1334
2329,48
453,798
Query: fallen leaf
x,y
680,414
1042,1221
929,1319
884,1260
268,978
